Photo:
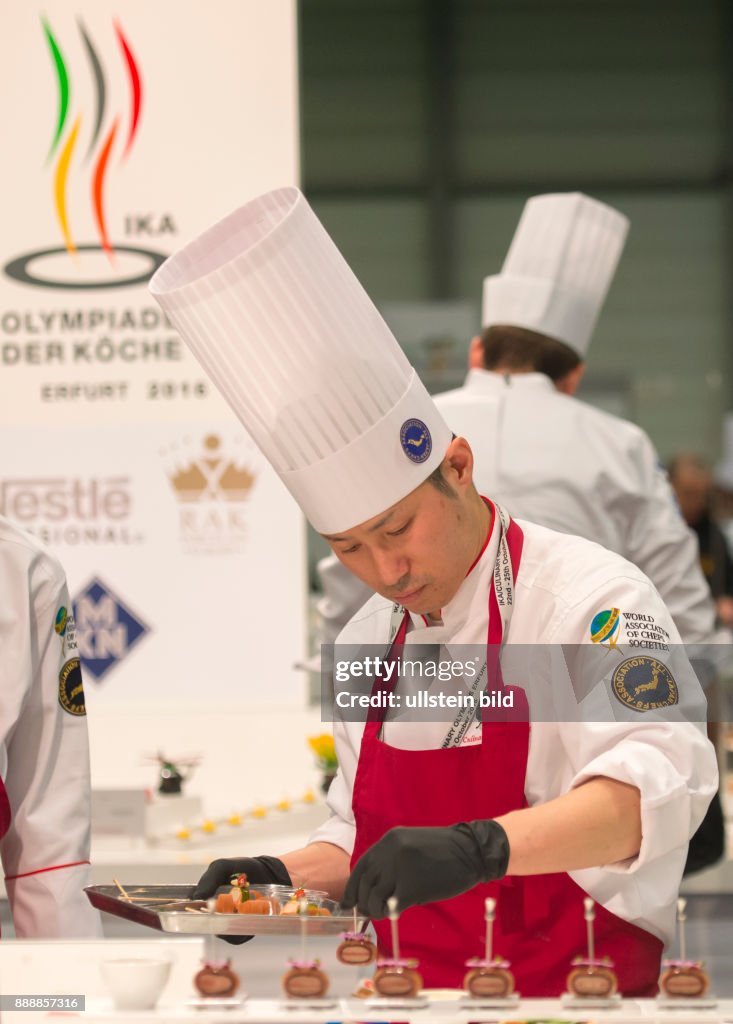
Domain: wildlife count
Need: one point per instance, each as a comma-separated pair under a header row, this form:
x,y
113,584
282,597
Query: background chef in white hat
x,y
551,458
604,807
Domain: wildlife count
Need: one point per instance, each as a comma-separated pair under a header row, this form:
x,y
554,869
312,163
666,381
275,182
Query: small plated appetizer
x,y
397,978
489,978
305,980
216,979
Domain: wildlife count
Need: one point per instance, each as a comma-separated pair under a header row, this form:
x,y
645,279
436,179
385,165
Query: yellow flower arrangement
x,y
322,746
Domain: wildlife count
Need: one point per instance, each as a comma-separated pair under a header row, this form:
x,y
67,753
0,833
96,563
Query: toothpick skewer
x,y
210,950
154,899
490,905
681,918
122,891
393,916
356,924
303,906
590,915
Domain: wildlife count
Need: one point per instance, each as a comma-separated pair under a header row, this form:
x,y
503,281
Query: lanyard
x,y
501,606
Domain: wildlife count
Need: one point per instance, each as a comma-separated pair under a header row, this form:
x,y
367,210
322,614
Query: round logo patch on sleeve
x,y
71,688
605,626
644,684
416,441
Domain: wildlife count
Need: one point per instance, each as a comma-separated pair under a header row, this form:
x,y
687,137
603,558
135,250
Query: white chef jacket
x,y
552,459
44,749
562,584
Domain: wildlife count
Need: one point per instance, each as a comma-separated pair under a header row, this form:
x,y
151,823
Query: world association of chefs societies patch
x,y
416,441
605,626
71,688
644,684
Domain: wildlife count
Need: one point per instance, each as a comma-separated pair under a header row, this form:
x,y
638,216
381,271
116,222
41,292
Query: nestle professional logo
x,y
71,510
106,628
211,486
89,138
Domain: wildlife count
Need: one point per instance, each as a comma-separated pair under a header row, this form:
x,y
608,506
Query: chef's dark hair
x,y
439,482
516,348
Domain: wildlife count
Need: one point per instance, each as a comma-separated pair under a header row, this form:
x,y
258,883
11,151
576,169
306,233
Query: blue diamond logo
x,y
106,628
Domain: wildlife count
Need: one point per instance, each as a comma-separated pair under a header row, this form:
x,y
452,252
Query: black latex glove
x,y
423,865
259,871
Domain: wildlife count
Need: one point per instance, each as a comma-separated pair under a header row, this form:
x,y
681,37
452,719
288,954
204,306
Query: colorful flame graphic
x,y
104,150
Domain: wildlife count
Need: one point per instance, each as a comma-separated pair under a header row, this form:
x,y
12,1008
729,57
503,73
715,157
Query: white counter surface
x,y
269,1011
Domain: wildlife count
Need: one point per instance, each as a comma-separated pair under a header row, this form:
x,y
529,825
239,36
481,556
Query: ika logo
x,y
106,628
91,137
211,488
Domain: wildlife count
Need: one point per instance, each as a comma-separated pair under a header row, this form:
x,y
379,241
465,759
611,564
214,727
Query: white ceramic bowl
x,y
136,983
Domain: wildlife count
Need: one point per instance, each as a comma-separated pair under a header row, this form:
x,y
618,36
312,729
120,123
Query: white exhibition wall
x,y
129,128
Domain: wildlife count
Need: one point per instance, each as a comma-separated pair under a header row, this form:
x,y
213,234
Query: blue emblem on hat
x,y
416,441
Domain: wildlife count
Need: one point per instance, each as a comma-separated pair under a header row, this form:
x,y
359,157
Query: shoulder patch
x,y
644,684
605,627
71,688
62,617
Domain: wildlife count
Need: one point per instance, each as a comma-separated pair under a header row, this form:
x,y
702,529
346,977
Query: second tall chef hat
x,y
276,317
559,268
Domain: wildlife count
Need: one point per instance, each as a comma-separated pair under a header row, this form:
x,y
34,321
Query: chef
x,y
537,813
45,794
547,456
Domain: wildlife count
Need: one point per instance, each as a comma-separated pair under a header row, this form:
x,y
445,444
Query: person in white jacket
x,y
547,456
588,768
45,795
557,461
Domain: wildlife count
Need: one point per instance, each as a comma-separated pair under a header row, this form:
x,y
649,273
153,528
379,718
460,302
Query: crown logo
x,y
212,477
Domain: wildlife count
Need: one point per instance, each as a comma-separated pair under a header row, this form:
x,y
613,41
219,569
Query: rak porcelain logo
x,y
94,133
106,628
212,483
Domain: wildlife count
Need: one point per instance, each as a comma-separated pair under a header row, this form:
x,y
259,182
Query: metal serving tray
x,y
164,907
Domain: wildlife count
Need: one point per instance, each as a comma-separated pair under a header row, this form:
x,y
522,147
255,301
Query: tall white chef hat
x,y
558,269
274,314
723,473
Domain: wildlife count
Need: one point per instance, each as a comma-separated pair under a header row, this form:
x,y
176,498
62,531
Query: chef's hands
x,y
259,871
423,865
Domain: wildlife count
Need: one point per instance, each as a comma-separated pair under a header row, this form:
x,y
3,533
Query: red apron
x,y
539,924
5,812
